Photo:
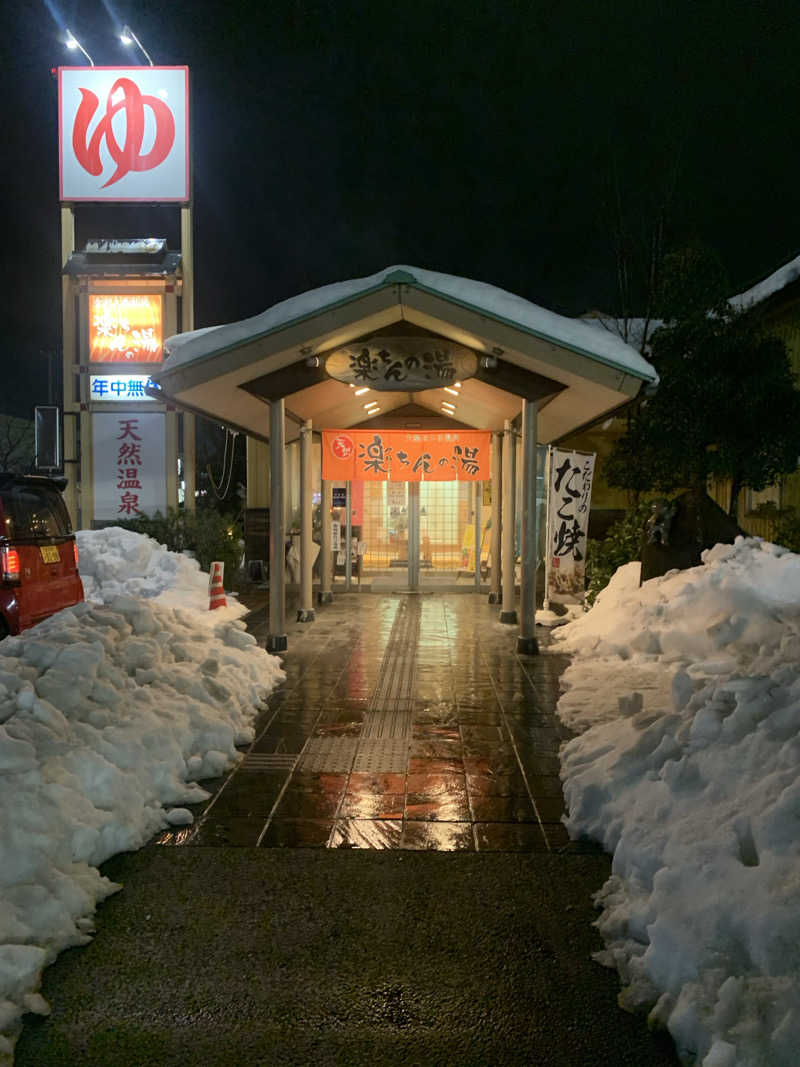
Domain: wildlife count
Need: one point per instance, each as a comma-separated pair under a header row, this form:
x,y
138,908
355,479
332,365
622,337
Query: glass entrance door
x,y
421,535
385,532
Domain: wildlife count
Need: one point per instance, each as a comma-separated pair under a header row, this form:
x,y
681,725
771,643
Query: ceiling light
x,y
371,404
447,389
360,392
374,411
457,385
447,406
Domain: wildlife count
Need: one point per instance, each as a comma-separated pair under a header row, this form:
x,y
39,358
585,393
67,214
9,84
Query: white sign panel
x,y
569,500
123,133
129,464
118,387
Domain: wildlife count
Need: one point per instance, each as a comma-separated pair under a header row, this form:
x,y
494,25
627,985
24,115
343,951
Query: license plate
x,y
50,554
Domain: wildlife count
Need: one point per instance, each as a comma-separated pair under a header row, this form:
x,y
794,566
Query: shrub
x,y
622,544
205,533
787,529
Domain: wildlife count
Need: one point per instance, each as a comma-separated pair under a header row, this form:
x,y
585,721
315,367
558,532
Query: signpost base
x,y
277,643
306,615
495,598
324,598
509,618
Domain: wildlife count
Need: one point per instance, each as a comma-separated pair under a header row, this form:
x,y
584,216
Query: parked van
x,y
38,552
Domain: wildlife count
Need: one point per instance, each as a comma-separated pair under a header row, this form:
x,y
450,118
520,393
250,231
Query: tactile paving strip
x,y
381,725
268,761
333,755
386,755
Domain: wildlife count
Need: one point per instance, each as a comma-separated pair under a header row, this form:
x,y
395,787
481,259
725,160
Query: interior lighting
x,y
448,407
371,404
360,392
374,411
457,385
129,37
72,42
447,389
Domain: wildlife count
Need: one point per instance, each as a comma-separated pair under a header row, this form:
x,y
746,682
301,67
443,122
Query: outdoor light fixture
x,y
129,37
447,389
360,392
72,43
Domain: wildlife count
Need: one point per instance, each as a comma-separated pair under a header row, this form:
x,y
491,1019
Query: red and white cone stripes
x,y
216,590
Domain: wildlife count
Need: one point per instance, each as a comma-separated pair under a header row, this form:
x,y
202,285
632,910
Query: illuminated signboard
x,y
124,133
125,329
129,464
120,387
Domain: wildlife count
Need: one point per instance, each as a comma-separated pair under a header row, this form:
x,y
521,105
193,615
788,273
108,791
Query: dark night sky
x,y
481,139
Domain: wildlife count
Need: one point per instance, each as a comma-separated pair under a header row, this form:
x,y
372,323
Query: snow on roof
x,y
776,281
487,299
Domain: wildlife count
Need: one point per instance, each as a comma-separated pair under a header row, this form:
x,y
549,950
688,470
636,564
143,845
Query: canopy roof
x,y
574,371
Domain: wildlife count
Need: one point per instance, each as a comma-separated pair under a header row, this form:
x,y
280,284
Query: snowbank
x,y
497,303
114,561
687,691
109,714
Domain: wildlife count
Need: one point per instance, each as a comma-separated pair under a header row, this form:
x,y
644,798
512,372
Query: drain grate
x,y
333,755
267,761
377,756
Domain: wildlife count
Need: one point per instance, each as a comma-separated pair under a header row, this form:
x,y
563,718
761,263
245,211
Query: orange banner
x,y
406,456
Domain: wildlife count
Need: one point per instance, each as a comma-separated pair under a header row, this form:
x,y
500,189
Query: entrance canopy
x,y
469,354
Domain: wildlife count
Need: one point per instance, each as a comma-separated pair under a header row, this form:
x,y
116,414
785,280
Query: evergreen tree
x,y
727,403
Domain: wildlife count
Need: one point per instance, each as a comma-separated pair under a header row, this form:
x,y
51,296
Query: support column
x,y
325,594
413,537
306,611
276,637
478,487
526,642
348,539
508,614
495,594
187,325
189,462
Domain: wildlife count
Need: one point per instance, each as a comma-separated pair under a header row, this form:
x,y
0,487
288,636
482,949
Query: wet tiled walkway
x,y
406,721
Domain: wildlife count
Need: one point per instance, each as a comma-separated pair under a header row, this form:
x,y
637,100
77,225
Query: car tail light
x,y
9,565
75,552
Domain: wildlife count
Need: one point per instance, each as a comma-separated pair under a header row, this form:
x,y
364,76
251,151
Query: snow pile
x,y
114,561
688,771
109,714
496,303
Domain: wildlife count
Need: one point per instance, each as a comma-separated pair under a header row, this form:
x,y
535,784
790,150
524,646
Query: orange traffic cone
x,y
216,590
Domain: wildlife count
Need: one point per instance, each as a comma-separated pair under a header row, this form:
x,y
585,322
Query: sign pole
x,y
69,361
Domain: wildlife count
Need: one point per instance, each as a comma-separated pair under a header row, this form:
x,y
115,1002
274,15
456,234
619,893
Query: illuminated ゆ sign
x,y
124,133
125,329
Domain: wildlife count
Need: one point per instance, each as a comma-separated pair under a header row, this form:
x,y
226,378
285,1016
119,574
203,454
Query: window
x,y
31,512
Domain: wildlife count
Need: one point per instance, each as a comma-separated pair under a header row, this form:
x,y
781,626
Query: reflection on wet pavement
x,y
406,722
